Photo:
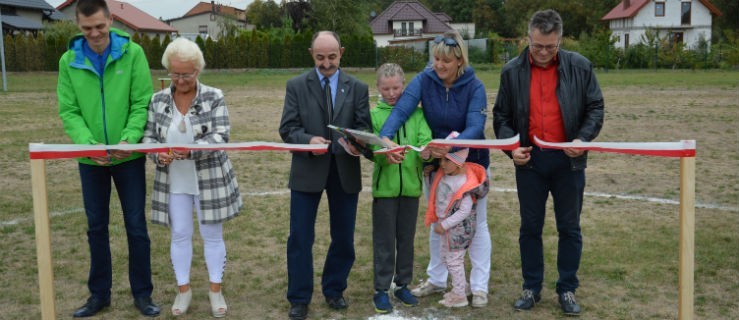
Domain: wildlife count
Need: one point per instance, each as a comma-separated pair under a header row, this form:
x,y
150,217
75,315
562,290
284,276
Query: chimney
x,y
121,5
627,4
212,6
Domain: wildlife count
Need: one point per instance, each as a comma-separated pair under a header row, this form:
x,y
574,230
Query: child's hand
x,y
427,170
426,154
438,228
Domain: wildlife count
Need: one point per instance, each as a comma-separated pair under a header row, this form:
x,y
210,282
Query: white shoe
x,y
181,302
454,301
425,289
217,304
479,299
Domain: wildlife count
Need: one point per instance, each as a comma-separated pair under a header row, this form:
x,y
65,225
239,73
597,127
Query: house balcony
x,y
399,33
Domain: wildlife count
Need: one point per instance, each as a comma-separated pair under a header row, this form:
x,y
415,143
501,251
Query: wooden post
x,y
687,237
43,239
161,80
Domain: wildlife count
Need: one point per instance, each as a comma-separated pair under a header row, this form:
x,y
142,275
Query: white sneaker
x,y
454,301
479,299
426,288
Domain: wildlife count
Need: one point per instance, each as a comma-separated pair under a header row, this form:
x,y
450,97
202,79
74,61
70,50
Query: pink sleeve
x,y
464,211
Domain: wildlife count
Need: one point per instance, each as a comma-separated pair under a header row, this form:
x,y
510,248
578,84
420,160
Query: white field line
x,y
367,189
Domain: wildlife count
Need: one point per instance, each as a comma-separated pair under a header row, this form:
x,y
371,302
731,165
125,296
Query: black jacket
x,y
578,93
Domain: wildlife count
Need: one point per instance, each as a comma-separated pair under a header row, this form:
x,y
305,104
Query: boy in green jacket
x,y
396,189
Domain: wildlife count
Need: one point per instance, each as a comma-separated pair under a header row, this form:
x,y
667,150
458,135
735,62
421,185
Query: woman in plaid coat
x,y
191,112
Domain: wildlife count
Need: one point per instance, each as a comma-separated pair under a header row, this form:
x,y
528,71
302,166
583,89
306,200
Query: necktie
x,y
329,100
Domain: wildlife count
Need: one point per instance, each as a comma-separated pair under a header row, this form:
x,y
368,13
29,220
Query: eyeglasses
x,y
447,41
539,47
183,76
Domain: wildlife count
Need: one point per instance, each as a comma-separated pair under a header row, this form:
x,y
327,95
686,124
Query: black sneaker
x,y
568,303
527,300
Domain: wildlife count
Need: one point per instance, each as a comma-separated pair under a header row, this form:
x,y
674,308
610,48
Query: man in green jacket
x,y
396,189
103,89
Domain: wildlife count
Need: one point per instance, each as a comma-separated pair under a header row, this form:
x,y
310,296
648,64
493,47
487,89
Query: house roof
x,y
33,4
443,16
58,15
18,22
131,16
621,11
407,11
203,7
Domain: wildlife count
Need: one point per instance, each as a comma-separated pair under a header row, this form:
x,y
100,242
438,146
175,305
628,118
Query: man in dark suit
x,y
322,96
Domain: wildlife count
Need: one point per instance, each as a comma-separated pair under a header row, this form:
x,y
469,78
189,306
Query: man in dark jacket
x,y
551,94
324,95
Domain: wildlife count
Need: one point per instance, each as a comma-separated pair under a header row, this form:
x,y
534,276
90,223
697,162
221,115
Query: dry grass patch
x,y
629,267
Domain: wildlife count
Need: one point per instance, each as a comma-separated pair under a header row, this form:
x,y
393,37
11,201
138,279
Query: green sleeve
x,y
70,111
141,91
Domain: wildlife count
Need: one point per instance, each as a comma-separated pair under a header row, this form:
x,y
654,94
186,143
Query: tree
x,y
298,11
486,16
228,26
264,14
343,17
728,21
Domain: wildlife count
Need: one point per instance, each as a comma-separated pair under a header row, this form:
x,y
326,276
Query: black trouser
x,y
550,172
393,232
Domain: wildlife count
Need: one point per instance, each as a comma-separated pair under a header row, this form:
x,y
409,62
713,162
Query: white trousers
x,y
181,224
480,251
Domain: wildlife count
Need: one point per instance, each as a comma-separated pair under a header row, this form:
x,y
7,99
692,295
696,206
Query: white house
x,y
407,22
207,19
681,21
21,16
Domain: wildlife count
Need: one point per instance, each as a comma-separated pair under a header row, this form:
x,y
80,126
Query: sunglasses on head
x,y
447,41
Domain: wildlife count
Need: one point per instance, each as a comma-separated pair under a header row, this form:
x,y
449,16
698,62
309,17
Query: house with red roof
x,y
681,21
410,21
128,18
207,19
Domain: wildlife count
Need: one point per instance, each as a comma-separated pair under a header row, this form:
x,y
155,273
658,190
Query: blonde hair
x,y
459,51
389,70
184,50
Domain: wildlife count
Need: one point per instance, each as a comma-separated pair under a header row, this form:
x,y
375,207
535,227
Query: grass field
x,y
629,268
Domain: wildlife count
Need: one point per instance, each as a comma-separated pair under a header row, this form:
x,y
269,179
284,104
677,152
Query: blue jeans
x,y
342,208
130,182
549,171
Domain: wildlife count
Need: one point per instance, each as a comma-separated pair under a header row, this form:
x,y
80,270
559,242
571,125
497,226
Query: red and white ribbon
x,y
500,144
683,148
62,151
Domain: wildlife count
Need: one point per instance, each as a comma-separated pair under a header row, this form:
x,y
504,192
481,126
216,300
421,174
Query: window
x,y
411,30
403,30
659,9
677,38
685,13
626,41
203,29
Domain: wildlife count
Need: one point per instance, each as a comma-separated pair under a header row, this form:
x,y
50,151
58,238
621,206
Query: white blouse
x,y
182,173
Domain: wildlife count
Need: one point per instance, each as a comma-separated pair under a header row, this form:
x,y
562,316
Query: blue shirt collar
x,y
333,79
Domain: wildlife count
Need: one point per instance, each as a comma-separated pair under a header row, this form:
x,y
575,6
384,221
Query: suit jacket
x,y
304,116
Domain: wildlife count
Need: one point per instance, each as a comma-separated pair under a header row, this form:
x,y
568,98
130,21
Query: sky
x,y
167,9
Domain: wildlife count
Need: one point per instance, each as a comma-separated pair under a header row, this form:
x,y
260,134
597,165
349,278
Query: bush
x,y
408,58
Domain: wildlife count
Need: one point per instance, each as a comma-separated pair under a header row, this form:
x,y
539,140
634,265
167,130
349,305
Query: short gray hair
x,y
389,70
546,21
184,50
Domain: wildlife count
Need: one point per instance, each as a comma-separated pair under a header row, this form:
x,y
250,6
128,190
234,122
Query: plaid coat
x,y
220,199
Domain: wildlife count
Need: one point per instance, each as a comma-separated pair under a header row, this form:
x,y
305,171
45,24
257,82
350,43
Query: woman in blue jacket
x,y
452,100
